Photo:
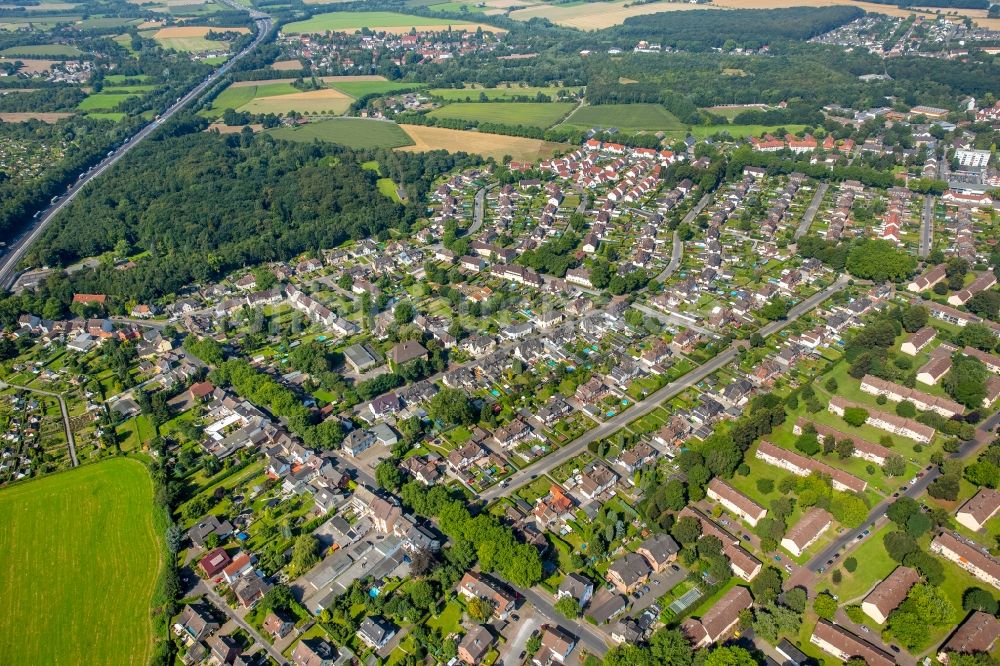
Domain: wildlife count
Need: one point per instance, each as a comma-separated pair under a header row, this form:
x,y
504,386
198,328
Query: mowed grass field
x,y
495,145
378,21
740,131
597,15
472,93
42,51
79,566
350,132
532,114
110,98
361,88
626,117
277,97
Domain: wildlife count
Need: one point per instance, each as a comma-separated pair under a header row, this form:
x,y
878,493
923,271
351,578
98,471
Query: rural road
x,y
677,248
70,440
19,246
650,403
810,213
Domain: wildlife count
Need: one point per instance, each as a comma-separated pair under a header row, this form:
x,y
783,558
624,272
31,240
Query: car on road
x,y
895,495
675,567
645,589
829,562
788,568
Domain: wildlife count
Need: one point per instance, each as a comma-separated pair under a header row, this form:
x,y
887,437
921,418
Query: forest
x,y
202,204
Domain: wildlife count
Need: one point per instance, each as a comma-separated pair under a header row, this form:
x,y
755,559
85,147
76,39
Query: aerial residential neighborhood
x,y
417,333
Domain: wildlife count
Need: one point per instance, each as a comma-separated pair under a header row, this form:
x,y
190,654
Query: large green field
x,y
235,97
626,117
473,94
740,131
103,101
358,20
362,88
350,132
79,566
42,51
533,114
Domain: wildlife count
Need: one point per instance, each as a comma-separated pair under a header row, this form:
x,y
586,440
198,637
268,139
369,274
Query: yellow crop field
x,y
327,100
487,145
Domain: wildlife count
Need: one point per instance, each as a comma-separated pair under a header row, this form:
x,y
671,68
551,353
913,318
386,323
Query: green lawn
x,y
626,117
235,97
473,94
42,51
80,556
874,564
532,114
362,88
449,619
357,20
740,131
103,101
350,132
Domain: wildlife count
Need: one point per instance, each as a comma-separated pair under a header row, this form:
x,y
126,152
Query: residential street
x,y
810,213
677,248
220,603
653,401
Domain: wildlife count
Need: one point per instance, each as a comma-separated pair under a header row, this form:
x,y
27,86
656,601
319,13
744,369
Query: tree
x,y
918,524
765,486
730,656
906,409
979,336
901,510
855,416
978,599
534,643
796,599
894,465
422,595
899,545
766,586
944,487
451,407
880,261
924,606
568,607
403,313
674,495
775,309
825,605
305,553
914,318
687,530
966,381
388,475
479,610
808,443
849,509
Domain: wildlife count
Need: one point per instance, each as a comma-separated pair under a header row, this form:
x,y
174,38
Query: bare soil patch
x,y
495,145
45,117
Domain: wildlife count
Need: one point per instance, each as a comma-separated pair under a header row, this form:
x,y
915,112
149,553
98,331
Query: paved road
x,y
984,435
479,209
70,440
810,214
677,248
653,401
587,636
926,226
672,319
221,604
19,246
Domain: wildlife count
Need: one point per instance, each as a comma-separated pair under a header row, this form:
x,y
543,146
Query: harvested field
x,y
314,101
286,65
33,66
44,117
192,37
391,22
487,145
598,15
231,129
262,82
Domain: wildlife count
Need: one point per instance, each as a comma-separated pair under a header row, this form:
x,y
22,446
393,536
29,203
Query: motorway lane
x,y
19,246
651,402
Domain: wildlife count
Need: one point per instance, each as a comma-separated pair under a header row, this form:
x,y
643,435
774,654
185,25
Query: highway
x,y
651,402
34,229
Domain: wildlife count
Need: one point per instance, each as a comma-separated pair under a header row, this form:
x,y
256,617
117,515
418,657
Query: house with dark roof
x,y
842,644
978,634
979,509
628,572
577,587
720,619
375,632
314,652
475,645
889,594
194,624
659,550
